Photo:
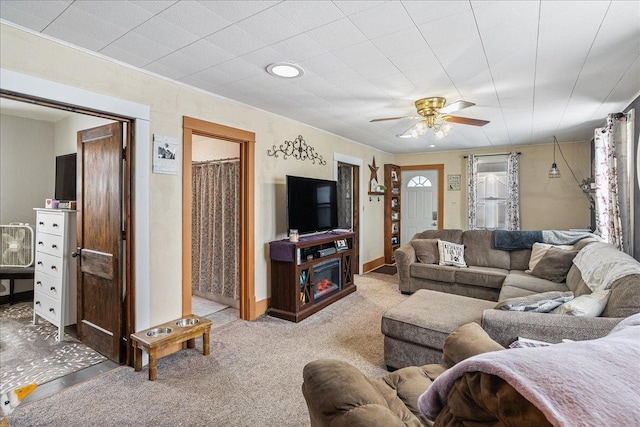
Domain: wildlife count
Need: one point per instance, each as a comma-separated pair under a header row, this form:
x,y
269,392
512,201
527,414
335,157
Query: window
x,y
419,181
493,192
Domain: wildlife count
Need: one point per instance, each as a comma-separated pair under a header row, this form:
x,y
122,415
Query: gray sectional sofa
x,y
446,297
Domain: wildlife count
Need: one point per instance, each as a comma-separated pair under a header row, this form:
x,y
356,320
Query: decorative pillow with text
x,y
451,254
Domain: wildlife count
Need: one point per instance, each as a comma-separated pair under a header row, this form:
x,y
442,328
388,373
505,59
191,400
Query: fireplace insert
x,y
327,278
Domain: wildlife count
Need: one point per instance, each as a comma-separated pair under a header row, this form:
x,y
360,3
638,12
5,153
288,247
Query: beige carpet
x,y
252,377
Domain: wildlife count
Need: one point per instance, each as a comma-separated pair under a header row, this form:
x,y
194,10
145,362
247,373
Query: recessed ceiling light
x,y
432,146
286,70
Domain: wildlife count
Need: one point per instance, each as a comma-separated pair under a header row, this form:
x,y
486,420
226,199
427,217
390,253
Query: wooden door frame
x,y
127,190
247,140
440,169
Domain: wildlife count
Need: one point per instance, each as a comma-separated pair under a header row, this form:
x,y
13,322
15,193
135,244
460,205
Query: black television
x,y
66,177
312,204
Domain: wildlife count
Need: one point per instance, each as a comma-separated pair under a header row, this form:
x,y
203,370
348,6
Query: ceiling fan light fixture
x,y
285,70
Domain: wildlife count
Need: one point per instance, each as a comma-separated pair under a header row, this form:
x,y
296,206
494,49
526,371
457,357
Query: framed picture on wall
x,y
453,182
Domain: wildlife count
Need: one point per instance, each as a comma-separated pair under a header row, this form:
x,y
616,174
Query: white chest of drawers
x,y
54,293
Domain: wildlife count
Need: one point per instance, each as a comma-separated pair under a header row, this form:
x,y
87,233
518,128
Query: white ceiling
x,y
534,68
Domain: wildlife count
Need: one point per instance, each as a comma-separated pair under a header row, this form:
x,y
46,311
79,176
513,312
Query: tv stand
x,y
310,274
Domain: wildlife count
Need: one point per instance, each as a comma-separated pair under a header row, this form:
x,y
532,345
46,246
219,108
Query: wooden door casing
x,y
100,284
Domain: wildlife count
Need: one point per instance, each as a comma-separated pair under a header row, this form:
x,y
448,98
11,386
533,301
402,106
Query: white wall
x,y
66,131
169,102
27,168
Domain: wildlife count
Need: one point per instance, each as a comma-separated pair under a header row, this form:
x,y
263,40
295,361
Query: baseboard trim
x,y
372,265
19,297
262,306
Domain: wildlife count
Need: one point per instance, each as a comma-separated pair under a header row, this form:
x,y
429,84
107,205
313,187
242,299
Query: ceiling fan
x,y
434,114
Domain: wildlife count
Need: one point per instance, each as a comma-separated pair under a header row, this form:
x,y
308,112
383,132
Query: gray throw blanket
x,y
581,383
516,240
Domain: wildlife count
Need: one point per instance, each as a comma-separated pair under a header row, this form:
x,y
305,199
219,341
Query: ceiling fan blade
x,y
456,106
392,118
407,133
466,121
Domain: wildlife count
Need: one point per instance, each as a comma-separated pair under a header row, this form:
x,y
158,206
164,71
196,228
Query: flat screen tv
x,y
66,177
312,204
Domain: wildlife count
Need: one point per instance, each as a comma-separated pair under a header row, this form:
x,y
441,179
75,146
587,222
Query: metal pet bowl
x,y
159,331
187,322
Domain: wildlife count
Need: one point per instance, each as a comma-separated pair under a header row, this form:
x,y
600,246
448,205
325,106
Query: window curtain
x,y
472,191
216,228
512,220
612,178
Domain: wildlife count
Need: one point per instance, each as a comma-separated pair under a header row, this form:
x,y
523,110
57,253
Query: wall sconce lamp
x,y
554,172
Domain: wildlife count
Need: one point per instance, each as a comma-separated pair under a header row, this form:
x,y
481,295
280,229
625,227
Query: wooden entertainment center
x,y
310,274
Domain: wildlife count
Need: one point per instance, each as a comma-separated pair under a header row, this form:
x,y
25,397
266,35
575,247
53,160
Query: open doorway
x,y
215,283
246,255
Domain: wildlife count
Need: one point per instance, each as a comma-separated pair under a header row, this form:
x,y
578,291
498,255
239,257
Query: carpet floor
x,y
30,353
252,377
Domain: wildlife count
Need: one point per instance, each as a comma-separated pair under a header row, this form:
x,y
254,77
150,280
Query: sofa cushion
x,y
539,250
624,300
520,259
440,273
523,280
588,305
487,277
555,265
480,250
450,253
467,341
426,250
575,282
427,317
450,235
538,303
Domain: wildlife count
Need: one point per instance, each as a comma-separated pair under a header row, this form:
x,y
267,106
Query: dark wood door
x,y
100,284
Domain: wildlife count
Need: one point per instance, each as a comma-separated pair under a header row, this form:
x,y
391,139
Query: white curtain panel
x,y
612,178
472,191
513,192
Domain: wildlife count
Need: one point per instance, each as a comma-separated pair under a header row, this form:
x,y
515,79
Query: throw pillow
x,y
426,250
587,305
555,264
451,254
539,249
539,303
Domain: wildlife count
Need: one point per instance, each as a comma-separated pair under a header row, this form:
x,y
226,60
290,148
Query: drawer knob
x,y
53,267
54,246
37,302
51,310
41,223
55,225
39,262
39,283
40,243
53,288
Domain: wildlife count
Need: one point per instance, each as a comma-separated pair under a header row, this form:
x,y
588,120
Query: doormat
x,y
31,354
386,269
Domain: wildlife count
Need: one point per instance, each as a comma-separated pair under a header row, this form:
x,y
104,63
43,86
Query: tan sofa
x,y
444,298
479,383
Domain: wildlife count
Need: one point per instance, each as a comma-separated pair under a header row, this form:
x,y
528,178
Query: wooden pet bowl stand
x,y
155,340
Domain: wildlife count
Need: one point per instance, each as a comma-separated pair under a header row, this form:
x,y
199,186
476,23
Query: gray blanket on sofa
x,y
515,240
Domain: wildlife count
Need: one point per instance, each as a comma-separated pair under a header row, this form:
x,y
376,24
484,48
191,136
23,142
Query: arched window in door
x,y
419,181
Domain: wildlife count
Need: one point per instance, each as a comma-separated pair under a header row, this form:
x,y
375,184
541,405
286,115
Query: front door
x,y
419,202
100,283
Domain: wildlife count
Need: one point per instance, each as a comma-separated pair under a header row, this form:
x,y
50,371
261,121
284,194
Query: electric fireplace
x,y
327,279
